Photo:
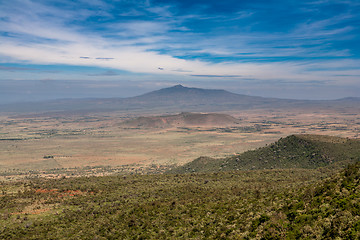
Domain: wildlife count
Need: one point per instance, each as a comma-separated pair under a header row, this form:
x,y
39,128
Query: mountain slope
x,y
182,120
180,94
174,99
327,210
184,99
295,151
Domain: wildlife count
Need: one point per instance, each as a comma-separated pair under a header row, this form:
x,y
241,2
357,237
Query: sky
x,y
119,48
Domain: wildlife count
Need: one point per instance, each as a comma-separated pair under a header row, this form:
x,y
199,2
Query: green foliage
x,y
227,205
258,204
295,151
332,211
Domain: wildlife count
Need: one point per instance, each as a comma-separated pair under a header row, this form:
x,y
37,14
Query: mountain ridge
x,y
176,99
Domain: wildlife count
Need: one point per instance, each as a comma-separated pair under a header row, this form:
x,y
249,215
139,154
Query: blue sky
x,y
278,48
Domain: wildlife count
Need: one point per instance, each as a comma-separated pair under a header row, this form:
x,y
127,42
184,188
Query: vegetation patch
x,y
295,151
259,204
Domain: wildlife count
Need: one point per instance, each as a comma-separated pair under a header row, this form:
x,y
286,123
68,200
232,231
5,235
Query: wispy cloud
x,y
216,76
144,37
107,73
104,58
11,69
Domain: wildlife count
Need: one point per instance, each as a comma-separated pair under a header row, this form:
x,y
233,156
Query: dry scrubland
x,y
98,144
266,204
319,201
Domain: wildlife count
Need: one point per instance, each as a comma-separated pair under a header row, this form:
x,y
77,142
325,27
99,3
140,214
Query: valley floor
x,y
42,143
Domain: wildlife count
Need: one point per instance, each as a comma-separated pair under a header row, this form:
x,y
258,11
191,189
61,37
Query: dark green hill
x,y
327,210
295,151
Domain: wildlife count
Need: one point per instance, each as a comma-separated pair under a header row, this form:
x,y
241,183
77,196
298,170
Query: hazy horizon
x,y
35,91
110,48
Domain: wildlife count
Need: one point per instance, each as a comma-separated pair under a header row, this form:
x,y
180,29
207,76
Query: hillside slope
x,y
182,119
327,210
295,151
261,204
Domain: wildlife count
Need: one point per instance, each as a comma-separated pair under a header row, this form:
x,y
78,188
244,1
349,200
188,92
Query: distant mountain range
x,y
173,100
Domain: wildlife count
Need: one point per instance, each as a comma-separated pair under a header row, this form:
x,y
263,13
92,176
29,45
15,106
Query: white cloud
x,y
41,34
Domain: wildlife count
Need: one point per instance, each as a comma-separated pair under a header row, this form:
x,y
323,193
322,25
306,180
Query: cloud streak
x,y
216,76
142,37
105,74
11,69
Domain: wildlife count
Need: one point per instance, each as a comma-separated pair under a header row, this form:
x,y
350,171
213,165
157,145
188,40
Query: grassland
x,y
50,143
